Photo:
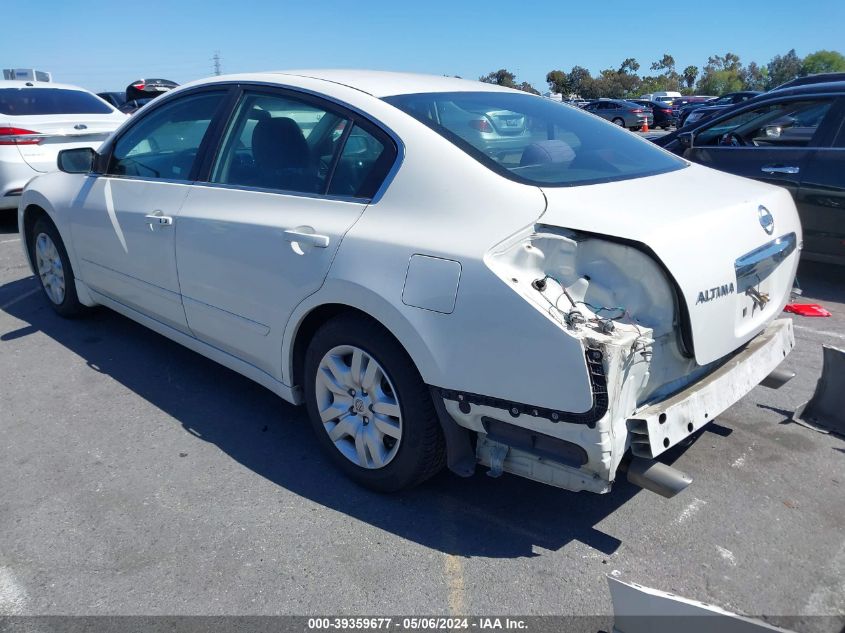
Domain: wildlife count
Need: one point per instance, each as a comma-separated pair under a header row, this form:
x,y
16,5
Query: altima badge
x,y
766,219
718,292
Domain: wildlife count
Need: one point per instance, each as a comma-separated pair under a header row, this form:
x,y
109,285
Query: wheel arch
x,y
334,299
34,206
29,216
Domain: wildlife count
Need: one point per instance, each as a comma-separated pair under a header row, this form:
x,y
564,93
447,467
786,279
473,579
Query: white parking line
x,y
12,594
17,239
727,554
29,293
691,510
825,333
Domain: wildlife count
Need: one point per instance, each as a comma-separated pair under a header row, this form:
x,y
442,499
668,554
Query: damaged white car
x,y
442,271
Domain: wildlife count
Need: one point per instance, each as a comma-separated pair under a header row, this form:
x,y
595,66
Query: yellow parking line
x,y
455,580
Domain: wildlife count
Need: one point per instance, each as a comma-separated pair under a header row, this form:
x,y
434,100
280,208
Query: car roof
x,y
14,83
815,88
377,83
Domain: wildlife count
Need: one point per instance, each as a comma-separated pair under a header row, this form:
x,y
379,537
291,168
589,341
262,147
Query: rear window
x,y
535,140
35,101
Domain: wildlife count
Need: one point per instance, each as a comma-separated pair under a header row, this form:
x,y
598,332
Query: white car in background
x,y
37,120
563,310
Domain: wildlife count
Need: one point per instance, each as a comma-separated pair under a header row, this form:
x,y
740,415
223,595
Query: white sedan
x,y
37,121
442,271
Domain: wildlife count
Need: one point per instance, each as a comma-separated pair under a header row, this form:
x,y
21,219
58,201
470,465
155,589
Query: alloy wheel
x,y
50,268
358,406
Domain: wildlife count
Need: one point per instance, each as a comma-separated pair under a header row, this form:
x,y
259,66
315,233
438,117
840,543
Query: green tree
x,y
500,77
722,74
581,82
672,80
656,83
558,82
630,66
667,63
784,68
527,87
616,85
754,77
690,73
823,62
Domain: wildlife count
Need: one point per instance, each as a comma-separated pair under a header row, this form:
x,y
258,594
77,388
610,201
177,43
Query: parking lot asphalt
x,y
140,478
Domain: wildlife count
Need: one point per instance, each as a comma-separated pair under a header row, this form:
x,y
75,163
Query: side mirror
x,y
686,139
76,161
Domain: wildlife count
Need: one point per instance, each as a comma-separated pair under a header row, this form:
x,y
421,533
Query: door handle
x,y
157,218
304,237
780,169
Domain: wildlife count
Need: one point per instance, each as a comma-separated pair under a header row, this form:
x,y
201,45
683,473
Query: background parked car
x,y
806,80
792,137
500,131
622,113
663,115
689,103
717,106
115,99
37,120
662,97
149,88
133,105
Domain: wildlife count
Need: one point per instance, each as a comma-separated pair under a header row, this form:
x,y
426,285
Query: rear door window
x,y
43,101
361,165
279,142
284,143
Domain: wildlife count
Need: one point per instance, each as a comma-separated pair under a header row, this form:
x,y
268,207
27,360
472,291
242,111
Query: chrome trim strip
x,y
754,267
282,192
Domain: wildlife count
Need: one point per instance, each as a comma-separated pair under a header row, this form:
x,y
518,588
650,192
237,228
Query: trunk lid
x,y
63,131
709,231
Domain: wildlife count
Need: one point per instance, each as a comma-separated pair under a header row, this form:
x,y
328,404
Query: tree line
x,y
722,74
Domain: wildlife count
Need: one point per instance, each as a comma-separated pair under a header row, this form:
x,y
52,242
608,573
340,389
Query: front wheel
x,y
54,271
369,406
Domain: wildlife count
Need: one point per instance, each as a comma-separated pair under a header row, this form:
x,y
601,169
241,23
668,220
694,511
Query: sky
x,y
105,45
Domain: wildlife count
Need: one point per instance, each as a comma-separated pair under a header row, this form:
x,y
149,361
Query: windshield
x,y
535,140
36,101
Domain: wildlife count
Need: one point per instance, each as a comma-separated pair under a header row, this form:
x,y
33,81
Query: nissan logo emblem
x,y
80,126
766,219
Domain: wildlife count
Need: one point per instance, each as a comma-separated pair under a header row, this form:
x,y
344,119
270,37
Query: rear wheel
x,y
54,271
369,406
619,121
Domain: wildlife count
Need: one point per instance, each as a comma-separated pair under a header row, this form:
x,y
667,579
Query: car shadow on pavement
x,y
8,221
480,516
822,282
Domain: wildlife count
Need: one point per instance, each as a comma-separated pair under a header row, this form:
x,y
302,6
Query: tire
x,y
618,121
407,460
53,268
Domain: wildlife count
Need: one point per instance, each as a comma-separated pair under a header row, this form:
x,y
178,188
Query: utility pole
x,y
216,60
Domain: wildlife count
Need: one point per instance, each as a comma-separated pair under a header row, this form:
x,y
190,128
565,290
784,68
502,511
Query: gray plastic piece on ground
x,y
826,408
638,609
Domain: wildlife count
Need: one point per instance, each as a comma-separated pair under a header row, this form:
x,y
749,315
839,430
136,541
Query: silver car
x,y
622,113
